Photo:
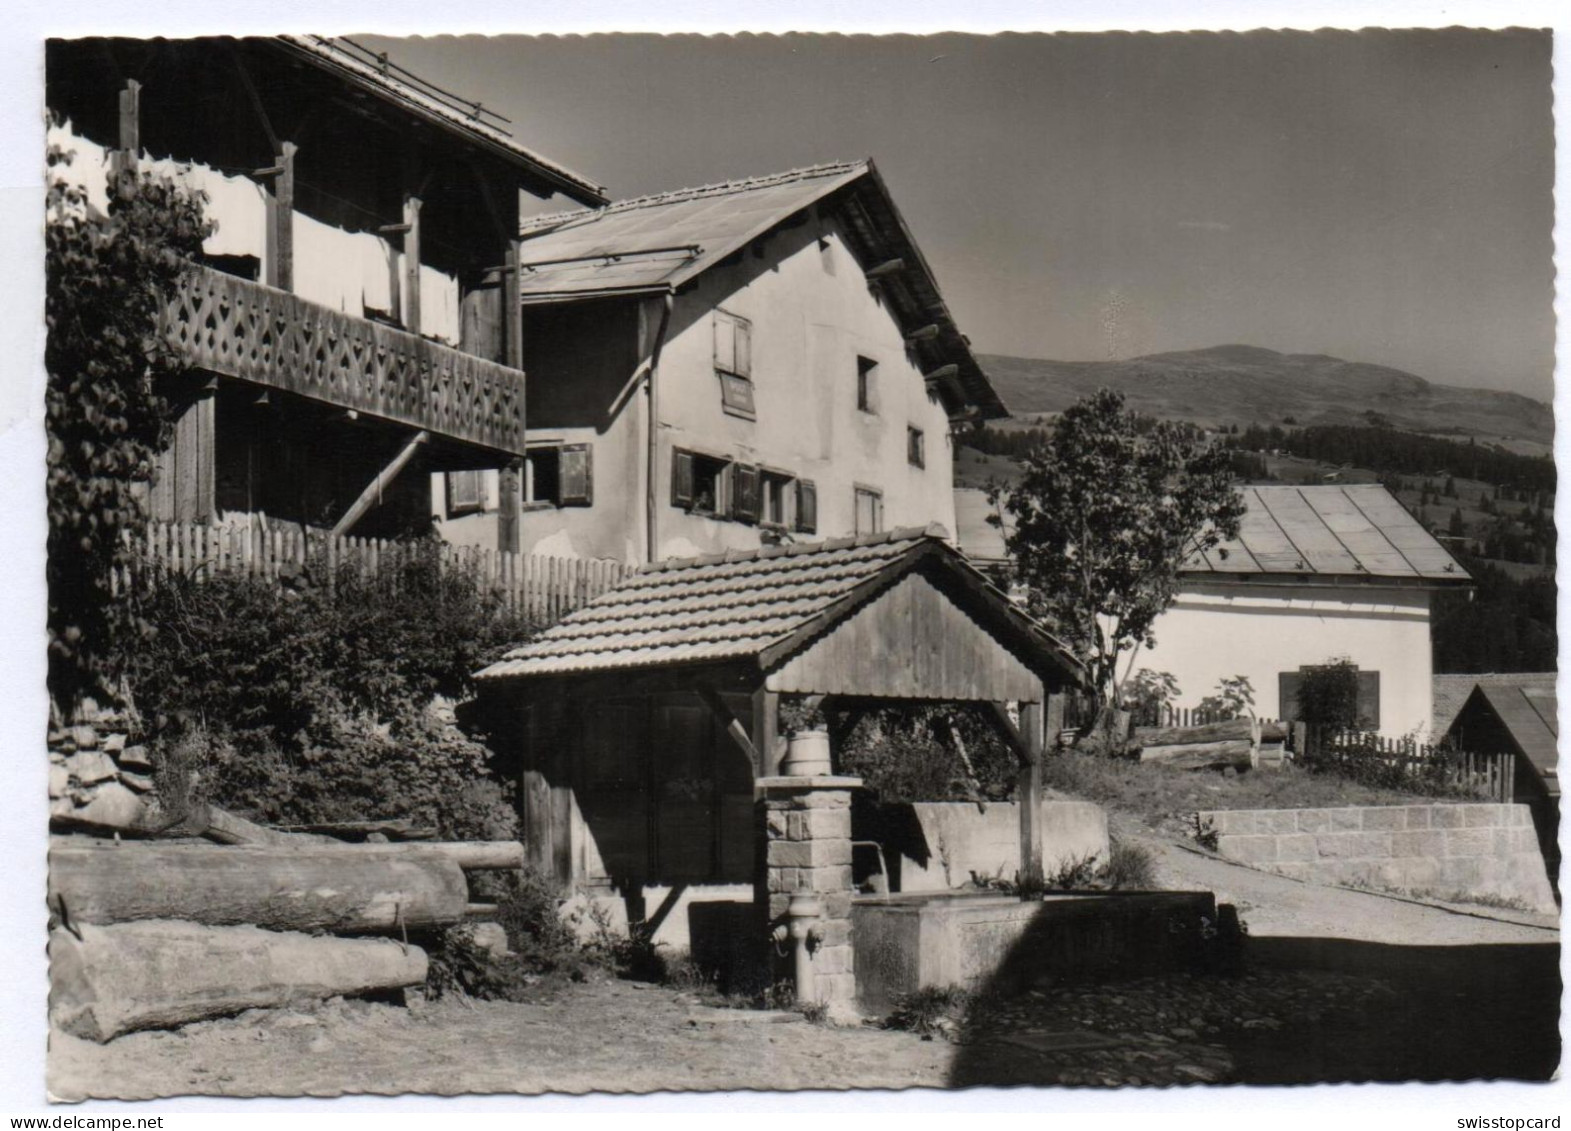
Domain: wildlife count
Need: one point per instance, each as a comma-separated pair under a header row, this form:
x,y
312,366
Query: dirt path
x,y
1341,985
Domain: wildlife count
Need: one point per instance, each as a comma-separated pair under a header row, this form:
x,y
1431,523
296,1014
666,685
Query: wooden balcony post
x,y
509,506
281,218
124,160
412,264
512,307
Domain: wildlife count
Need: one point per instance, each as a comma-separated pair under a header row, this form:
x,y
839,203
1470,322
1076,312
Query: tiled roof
x,y
734,606
1450,692
327,51
1335,531
657,243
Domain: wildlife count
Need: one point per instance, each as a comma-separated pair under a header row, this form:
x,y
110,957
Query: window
x,y
701,484
777,497
725,489
465,492
867,384
560,475
869,511
1368,695
734,363
916,448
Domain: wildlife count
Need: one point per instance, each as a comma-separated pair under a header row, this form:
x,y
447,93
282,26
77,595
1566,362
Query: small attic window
x,y
734,364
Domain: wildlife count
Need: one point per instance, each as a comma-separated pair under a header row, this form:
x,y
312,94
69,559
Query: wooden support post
x,y
373,493
509,487
512,307
411,317
766,731
280,180
130,143
1028,793
733,725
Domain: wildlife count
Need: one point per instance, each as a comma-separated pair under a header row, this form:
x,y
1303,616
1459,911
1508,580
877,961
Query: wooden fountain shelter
x,y
643,720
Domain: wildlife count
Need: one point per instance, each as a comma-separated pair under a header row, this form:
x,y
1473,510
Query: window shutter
x,y
806,506
744,499
725,343
1369,700
681,479
744,349
464,492
577,475
1287,695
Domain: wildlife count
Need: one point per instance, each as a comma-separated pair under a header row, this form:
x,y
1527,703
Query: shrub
x,y
934,1011
909,754
1129,867
1328,695
312,702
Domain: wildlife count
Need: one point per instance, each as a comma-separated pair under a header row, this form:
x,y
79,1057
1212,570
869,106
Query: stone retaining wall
x,y
1441,850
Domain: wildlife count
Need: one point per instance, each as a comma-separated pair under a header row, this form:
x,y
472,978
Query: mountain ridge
x,y
1241,384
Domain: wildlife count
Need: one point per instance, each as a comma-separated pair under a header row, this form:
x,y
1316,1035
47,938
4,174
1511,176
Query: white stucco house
x,y
1316,573
715,368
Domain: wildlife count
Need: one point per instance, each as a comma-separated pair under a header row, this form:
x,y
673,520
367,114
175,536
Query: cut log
x,y
1210,732
475,855
1201,755
395,829
349,888
118,979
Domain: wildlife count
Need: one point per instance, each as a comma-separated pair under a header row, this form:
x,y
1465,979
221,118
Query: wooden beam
x,y
411,317
509,488
925,334
255,98
942,373
513,308
1011,733
733,725
281,218
1028,794
129,144
372,495
766,731
886,268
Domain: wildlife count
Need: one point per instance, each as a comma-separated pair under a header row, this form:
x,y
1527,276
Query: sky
x,y
1384,197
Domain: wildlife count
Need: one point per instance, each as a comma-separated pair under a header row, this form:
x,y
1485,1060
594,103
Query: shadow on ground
x,y
1432,1013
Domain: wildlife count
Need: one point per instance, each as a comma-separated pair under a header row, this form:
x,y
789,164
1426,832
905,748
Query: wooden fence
x,y
544,588
1358,752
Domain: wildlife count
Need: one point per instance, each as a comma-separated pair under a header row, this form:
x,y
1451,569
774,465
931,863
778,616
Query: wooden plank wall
x,y
910,642
182,489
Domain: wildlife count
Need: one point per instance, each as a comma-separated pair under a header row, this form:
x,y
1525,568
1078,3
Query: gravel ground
x,y
1339,985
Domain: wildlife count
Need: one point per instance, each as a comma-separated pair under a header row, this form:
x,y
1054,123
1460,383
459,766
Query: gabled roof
x,y
654,244
1451,691
1354,531
759,606
1529,713
343,59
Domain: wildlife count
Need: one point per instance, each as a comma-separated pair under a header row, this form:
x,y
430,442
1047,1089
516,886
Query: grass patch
x,y
1162,798
935,1011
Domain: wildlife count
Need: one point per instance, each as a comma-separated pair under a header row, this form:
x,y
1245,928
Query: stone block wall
x,y
1440,850
807,848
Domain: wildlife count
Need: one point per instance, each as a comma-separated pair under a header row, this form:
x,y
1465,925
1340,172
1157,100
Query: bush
x,y
908,754
934,1011
1129,868
312,702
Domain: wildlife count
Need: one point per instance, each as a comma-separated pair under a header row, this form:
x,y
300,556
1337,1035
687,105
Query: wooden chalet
x,y
349,323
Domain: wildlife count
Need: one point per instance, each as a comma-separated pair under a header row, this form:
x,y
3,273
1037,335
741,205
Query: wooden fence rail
x,y
1488,775
544,588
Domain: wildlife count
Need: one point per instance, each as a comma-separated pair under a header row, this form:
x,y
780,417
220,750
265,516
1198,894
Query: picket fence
x,y
543,588
1488,775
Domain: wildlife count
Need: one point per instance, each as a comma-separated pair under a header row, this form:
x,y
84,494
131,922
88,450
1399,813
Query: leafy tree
x,y
1105,514
107,279
1328,695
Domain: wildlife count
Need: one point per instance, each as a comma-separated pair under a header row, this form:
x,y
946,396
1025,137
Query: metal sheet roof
x,y
327,52
667,238
736,606
1358,531
655,243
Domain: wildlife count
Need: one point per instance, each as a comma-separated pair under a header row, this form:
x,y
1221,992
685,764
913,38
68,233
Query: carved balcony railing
x,y
237,328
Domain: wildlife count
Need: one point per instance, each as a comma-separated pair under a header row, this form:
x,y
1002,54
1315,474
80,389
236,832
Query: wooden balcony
x,y
237,328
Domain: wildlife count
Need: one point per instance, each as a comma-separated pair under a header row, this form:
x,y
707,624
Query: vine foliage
x,y
106,409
